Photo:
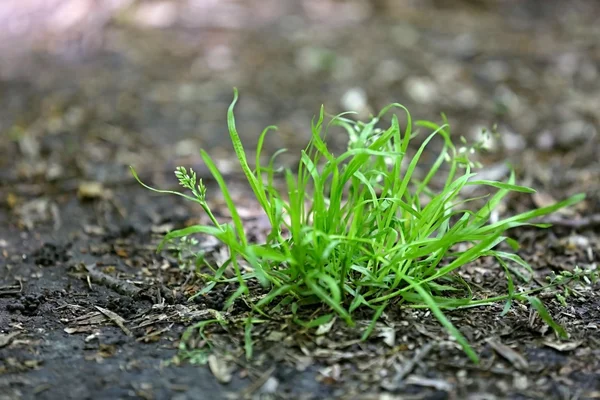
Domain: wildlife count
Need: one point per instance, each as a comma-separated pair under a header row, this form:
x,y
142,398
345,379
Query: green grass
x,y
359,230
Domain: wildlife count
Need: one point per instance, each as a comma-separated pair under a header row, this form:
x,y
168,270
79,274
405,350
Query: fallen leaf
x,y
509,354
117,319
331,375
563,346
325,328
6,339
388,335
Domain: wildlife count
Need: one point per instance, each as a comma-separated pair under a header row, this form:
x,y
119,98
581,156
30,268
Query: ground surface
x,y
89,310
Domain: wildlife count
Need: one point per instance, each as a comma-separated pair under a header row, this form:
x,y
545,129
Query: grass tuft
x,y
361,230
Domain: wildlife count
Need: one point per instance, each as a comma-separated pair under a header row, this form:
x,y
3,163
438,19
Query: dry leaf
x,y
563,346
388,335
117,319
325,328
509,354
6,339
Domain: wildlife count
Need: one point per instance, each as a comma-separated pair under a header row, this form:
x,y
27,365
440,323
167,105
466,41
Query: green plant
x,y
567,280
189,257
360,229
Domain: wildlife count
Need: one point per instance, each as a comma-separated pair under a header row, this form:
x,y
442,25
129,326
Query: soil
x,y
88,309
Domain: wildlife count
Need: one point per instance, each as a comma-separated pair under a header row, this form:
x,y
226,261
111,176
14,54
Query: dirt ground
x,y
89,310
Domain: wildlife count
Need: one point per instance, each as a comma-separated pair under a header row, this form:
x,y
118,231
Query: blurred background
x,y
88,87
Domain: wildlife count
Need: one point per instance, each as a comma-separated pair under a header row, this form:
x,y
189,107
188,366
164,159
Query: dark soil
x,y
88,309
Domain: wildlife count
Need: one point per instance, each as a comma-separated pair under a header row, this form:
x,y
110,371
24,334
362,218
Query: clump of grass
x,y
359,230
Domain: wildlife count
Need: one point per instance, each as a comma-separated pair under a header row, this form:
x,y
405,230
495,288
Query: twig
x,y
405,369
591,221
410,365
119,286
9,291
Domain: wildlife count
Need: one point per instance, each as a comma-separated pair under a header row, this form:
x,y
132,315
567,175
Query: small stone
x,y
446,72
219,58
29,146
507,99
574,133
389,71
186,147
405,35
186,92
421,90
589,72
156,14
567,64
495,71
467,97
512,142
54,171
343,69
545,141
270,386
578,241
314,59
520,382
464,44
354,99
90,190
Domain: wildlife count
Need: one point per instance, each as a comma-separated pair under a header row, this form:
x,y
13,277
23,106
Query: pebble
x,y
495,71
545,140
389,71
313,59
405,35
467,97
156,14
512,141
219,58
574,133
422,90
270,386
354,99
